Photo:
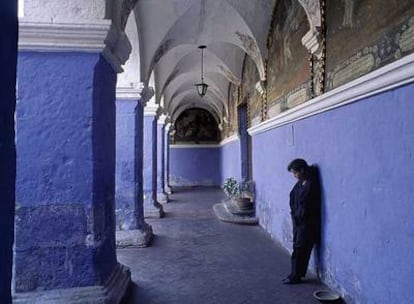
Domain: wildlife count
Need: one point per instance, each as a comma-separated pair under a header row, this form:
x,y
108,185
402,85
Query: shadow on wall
x,y
319,213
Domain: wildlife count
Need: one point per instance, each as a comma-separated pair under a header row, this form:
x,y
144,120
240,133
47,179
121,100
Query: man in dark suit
x,y
305,212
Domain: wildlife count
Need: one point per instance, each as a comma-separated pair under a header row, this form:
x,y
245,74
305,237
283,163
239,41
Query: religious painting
x,y
288,68
196,126
363,35
250,77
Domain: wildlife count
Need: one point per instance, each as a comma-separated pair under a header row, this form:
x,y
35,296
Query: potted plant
x,y
239,192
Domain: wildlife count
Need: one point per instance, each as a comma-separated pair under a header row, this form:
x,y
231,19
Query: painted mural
x,y
386,28
231,125
250,77
288,69
196,126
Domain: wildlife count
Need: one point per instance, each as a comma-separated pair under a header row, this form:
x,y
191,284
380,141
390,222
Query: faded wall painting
x,y
288,68
363,35
195,126
250,77
231,125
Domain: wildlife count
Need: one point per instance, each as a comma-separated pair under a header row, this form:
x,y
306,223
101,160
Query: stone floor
x,y
197,259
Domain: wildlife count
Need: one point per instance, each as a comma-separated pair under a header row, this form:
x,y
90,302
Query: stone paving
x,y
197,259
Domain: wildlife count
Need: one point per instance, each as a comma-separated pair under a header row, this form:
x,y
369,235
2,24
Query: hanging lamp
x,y
202,87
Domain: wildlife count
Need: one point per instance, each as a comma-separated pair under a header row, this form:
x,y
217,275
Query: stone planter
x,y
244,203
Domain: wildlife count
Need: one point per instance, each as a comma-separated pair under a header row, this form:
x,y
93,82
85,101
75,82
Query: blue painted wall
x,y
65,224
195,166
8,58
365,154
160,158
128,177
231,160
150,157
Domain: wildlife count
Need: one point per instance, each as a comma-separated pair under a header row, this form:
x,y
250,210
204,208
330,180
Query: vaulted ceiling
x,y
169,33
165,35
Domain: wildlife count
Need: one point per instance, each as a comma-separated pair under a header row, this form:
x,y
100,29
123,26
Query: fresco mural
x,y
385,26
195,126
288,69
250,77
232,119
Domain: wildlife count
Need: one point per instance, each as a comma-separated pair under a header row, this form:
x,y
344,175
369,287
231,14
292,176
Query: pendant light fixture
x,y
202,87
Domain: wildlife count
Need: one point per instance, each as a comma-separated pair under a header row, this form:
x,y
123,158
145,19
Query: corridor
x,y
196,259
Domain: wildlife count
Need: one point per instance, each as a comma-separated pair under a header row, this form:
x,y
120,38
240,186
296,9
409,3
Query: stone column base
x,y
139,237
168,190
162,197
153,209
111,292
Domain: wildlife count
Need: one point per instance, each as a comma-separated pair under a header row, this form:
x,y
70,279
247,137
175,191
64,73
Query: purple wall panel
x,y
195,166
65,124
231,160
365,153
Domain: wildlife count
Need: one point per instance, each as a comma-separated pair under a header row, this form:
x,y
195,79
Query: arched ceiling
x,y
170,33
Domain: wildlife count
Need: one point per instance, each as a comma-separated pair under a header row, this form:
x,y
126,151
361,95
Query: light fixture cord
x,y
202,63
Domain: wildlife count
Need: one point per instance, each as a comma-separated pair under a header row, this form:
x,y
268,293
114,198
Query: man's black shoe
x,y
291,281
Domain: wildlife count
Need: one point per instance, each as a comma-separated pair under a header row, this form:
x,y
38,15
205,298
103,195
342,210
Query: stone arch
x,y
129,78
313,12
126,7
206,107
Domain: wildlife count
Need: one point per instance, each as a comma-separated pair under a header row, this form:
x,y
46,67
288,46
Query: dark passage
x,y
195,259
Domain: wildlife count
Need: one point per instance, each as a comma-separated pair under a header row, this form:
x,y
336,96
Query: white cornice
x,y
396,74
311,41
229,139
162,119
95,37
194,146
62,37
151,109
132,93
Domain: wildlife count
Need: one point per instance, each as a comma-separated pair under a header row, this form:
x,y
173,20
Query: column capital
x,y
95,36
63,37
168,126
312,40
162,119
133,93
151,108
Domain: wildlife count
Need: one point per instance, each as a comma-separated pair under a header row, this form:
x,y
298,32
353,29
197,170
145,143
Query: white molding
x,y
162,119
396,74
229,139
132,93
151,109
62,37
311,41
96,37
194,146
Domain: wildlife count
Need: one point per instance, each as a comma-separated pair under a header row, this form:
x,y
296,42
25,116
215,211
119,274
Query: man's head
x,y
299,168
